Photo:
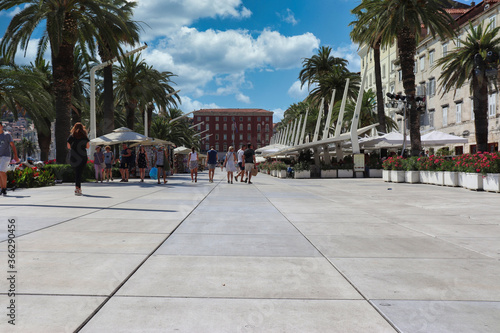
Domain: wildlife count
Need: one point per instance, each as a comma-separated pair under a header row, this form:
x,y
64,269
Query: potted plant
x,y
489,163
410,165
328,171
374,166
395,167
346,168
302,170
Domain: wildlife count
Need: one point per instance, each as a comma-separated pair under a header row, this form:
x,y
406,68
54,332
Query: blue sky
x,y
238,53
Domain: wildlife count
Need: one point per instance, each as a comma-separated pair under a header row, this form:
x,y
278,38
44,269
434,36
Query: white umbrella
x,y
388,140
437,138
119,135
152,142
182,150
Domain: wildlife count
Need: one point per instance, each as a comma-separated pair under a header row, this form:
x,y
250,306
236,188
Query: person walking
x,y
161,163
230,164
249,158
108,160
6,145
98,163
211,163
78,143
125,162
240,153
193,164
142,162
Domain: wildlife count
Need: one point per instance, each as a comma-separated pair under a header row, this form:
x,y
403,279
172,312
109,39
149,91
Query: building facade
x,y
451,112
222,128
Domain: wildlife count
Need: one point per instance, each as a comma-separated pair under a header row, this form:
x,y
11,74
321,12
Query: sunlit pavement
x,y
280,255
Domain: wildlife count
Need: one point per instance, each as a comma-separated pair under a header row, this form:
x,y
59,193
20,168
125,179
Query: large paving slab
x,y
281,255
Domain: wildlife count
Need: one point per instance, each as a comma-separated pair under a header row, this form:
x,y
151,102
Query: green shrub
x,y
29,177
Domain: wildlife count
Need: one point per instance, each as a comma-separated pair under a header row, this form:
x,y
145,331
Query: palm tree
x,y
367,34
129,36
403,20
177,132
26,91
137,84
67,22
367,115
467,64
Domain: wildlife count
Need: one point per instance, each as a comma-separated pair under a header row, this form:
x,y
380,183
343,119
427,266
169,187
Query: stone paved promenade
x,y
338,255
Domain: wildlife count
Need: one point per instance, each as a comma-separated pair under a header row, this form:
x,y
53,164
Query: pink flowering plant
x,y
393,163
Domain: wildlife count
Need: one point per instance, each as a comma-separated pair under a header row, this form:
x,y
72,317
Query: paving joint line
x,y
334,266
110,296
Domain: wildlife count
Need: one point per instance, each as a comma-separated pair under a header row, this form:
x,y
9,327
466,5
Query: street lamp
x,y
394,102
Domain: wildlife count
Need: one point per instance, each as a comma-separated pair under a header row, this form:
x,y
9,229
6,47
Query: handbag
x,y
255,172
153,173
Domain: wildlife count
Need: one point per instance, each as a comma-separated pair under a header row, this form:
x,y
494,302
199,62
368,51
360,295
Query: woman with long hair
x,y
142,162
230,164
193,164
99,164
78,143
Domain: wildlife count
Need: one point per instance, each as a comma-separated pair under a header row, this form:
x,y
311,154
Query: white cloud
x,y
243,98
189,105
278,115
288,16
350,53
298,93
164,17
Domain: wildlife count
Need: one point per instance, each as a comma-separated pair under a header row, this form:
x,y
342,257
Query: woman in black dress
x,y
142,162
78,143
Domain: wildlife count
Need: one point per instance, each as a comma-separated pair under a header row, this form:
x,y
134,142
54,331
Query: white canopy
x,y
152,142
437,138
182,150
119,135
388,140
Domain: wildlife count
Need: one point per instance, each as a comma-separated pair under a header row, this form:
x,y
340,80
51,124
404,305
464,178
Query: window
x,y
216,136
225,137
225,127
459,113
471,109
216,118
249,127
383,71
216,127
199,119
445,116
225,146
206,127
267,127
493,22
267,137
241,119
249,119
216,146
422,63
207,118
258,118
225,118
241,137
431,87
241,127
431,58
492,107
415,66
458,42
249,136
258,128
258,137
431,118
392,66
421,89
207,147
400,73
445,49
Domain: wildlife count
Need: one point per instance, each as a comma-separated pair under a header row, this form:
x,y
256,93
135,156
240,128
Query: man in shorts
x,y
239,154
6,144
126,153
249,156
211,163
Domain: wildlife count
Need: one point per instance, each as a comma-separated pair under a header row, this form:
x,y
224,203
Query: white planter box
x,y
386,175
450,178
491,182
343,173
412,177
424,177
461,179
274,173
328,173
281,173
436,177
360,174
375,173
473,181
397,176
302,174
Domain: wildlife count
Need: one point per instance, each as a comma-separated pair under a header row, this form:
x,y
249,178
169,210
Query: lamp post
x,y
394,103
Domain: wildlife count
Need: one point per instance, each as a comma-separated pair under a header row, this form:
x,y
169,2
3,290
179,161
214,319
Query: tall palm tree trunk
x,y
130,110
63,71
108,104
407,49
149,110
44,139
480,98
378,84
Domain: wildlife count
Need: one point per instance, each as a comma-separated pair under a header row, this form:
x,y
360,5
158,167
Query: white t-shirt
x,y
194,156
240,155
